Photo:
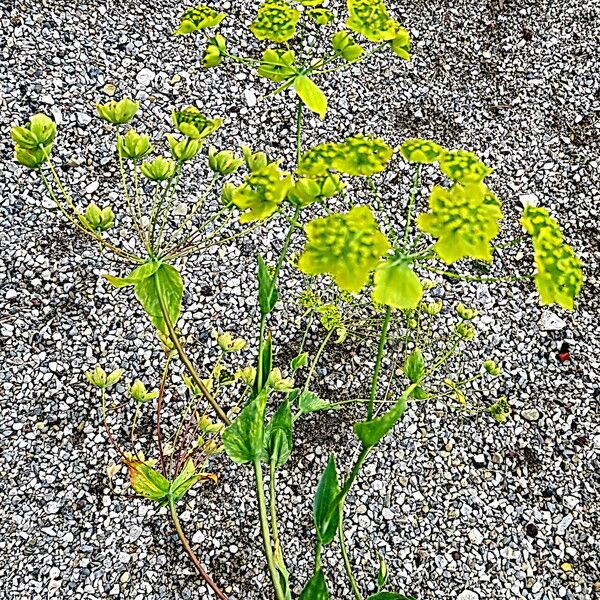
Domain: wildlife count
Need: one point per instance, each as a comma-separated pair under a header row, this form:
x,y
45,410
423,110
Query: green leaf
x,y
371,432
346,246
309,402
278,436
382,573
184,481
267,291
146,481
243,439
414,366
311,94
390,596
165,284
299,361
396,285
326,507
316,588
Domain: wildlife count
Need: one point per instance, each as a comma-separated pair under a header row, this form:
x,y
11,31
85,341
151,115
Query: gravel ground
x,y
462,508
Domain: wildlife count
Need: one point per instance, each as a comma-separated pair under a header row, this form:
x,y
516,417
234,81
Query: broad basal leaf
x,y
311,95
464,219
371,432
346,246
243,439
326,509
396,285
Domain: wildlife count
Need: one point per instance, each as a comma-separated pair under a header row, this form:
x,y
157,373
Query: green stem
x,y
346,558
264,529
314,363
382,339
273,504
261,341
193,557
411,205
186,360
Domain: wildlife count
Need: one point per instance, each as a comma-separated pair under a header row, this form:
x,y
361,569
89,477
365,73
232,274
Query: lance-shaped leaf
x,y
371,432
267,290
243,439
559,274
326,507
146,481
464,219
275,21
396,285
278,436
316,588
346,246
311,95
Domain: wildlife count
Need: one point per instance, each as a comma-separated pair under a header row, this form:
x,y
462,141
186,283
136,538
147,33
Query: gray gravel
x,y
462,508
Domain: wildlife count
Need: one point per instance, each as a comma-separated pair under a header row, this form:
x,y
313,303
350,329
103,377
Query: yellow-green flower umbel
x,y
119,112
134,146
159,169
194,124
276,21
200,17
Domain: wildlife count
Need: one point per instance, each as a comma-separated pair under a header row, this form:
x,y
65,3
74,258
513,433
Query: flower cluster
x,y
371,19
559,275
262,192
275,21
33,143
346,246
421,151
201,17
192,123
464,218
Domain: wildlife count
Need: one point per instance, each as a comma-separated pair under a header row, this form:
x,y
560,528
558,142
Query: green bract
x,y
421,151
311,95
559,275
463,166
371,19
346,246
321,16
134,146
344,45
100,379
224,162
464,219
254,160
37,134
400,45
262,192
276,21
201,17
119,112
396,284
194,124
140,394
159,169
32,159
214,52
312,189
98,219
277,65
184,149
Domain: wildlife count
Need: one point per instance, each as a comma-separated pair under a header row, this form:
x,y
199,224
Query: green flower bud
x,y
119,112
98,219
466,313
228,343
159,169
139,393
184,149
247,375
100,379
194,124
254,160
214,52
492,368
278,383
432,308
223,162
465,331
134,146
32,159
500,410
344,45
38,133
227,194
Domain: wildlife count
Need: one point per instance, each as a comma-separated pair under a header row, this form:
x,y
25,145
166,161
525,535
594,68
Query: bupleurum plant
x,y
376,264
